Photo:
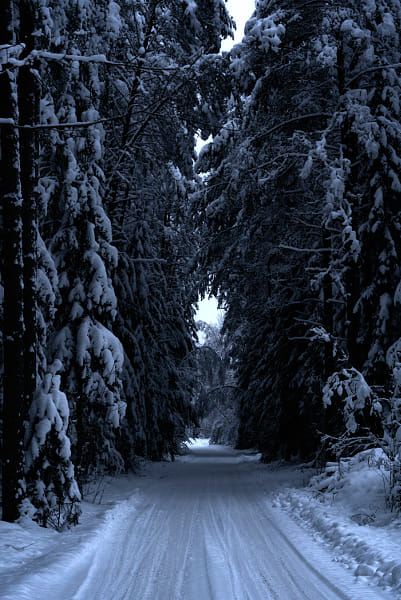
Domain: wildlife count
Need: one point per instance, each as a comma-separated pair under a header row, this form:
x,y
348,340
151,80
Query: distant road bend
x,y
204,529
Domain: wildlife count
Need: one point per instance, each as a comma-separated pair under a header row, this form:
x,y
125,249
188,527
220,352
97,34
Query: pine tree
x,y
107,88
301,212
264,221
84,342
147,195
38,429
363,185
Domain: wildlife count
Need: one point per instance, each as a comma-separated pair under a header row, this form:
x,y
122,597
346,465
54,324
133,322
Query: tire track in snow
x,y
206,531
268,540
248,562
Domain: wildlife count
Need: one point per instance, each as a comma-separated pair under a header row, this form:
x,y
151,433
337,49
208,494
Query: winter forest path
x,y
204,529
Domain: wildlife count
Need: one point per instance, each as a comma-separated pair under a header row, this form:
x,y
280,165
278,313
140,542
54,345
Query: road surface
x,y
204,529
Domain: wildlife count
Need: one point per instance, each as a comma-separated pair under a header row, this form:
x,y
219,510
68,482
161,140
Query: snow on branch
x,y
351,387
10,52
6,57
11,123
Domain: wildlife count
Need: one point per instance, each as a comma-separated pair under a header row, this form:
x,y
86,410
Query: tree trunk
x,y
28,102
13,305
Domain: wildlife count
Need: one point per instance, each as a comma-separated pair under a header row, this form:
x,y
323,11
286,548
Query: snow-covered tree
x,y
300,206
84,342
116,93
216,400
168,96
264,224
32,308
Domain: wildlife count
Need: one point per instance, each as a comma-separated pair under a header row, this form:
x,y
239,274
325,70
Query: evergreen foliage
x,y
98,323
109,236
299,207
215,402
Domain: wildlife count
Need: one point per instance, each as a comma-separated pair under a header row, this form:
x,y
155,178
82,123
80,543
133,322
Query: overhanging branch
x,y
288,122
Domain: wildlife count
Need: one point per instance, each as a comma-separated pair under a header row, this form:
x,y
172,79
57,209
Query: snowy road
x,y
202,528
205,532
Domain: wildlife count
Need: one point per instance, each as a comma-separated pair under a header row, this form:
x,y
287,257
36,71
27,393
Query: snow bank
x,y
43,564
345,506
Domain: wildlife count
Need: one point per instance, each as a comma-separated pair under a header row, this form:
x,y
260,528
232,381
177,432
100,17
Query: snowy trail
x,y
203,528
205,531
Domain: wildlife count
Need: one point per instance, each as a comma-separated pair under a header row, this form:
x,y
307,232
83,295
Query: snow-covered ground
x,y
214,525
346,508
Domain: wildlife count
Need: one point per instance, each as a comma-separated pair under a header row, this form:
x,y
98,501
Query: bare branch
x,y
288,122
295,249
371,70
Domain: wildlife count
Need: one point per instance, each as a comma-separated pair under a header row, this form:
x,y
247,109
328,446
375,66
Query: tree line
x,y
301,209
99,107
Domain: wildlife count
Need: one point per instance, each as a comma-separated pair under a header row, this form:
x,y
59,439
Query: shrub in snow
x,y
369,421
349,389
392,420
52,492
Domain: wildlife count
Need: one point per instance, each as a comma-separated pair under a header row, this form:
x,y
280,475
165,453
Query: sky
x,y
241,10
208,311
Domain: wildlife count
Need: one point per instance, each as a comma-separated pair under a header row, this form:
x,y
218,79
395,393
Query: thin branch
x,y
95,58
295,249
223,387
308,322
165,97
288,122
12,123
4,122
319,227
146,260
276,158
371,70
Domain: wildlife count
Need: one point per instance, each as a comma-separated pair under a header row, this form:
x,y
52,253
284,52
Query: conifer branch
x,y
288,122
69,125
371,70
34,55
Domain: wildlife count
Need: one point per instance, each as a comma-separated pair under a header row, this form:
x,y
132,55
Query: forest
x,y
113,227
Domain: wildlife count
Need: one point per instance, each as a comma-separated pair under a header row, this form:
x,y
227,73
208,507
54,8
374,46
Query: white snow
x,y
349,26
113,19
345,507
215,525
266,31
351,386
